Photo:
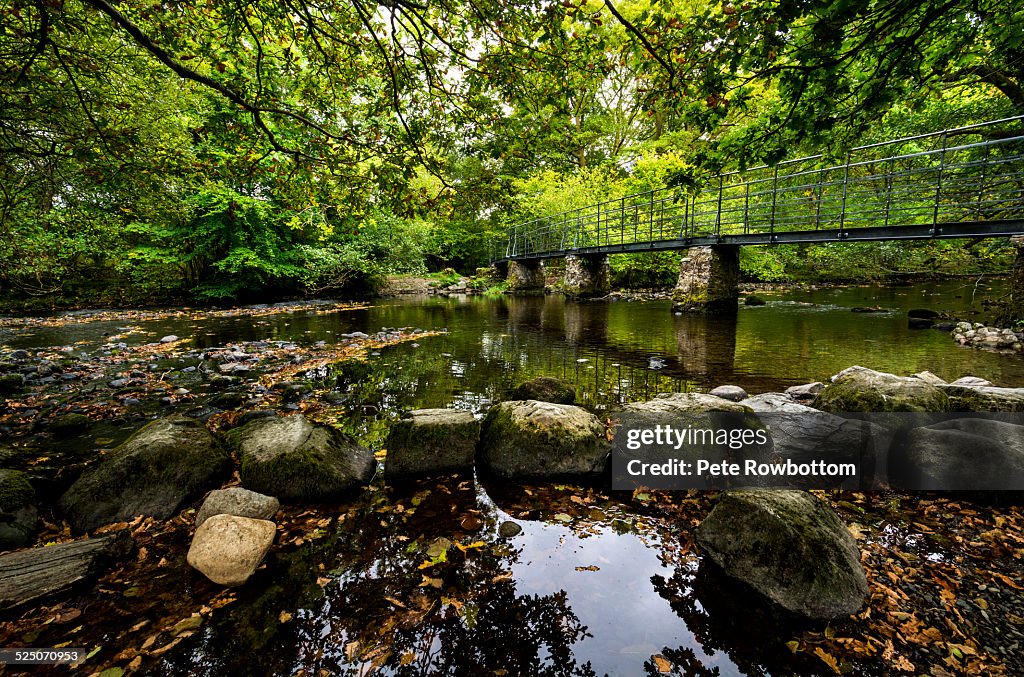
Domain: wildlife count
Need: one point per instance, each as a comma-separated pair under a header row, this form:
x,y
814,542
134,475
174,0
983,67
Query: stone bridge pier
x,y
708,280
587,276
525,276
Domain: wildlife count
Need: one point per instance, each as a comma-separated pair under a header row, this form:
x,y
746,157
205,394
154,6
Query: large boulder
x,y
961,454
432,441
790,547
239,502
804,434
984,398
724,431
546,389
532,439
18,514
689,403
296,460
228,548
162,466
858,389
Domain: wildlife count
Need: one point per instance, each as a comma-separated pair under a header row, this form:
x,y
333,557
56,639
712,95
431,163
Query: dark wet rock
x,y
858,389
227,548
806,391
254,414
533,439
223,381
296,460
923,314
546,389
237,501
966,453
48,368
228,400
154,472
790,547
509,530
432,441
753,300
919,323
944,326
41,573
19,355
729,392
11,383
131,401
69,424
868,309
18,514
984,398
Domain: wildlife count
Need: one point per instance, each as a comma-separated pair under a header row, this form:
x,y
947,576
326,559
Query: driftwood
x,y
28,575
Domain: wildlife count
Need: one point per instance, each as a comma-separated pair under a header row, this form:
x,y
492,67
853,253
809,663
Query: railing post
x,y
938,185
981,183
622,220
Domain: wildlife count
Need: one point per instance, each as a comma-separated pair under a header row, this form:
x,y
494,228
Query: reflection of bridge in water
x,y
571,340
954,183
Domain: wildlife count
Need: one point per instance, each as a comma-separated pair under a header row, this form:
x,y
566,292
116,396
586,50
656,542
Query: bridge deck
x,y
965,182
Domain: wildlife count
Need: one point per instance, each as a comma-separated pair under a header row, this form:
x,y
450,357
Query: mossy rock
x,y
11,383
18,514
299,461
432,441
532,439
69,424
546,389
864,390
154,472
984,398
790,547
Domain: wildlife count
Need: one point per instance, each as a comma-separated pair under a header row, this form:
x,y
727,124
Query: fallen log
x,y
28,575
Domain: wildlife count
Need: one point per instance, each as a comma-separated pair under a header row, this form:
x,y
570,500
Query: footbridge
x,y
966,182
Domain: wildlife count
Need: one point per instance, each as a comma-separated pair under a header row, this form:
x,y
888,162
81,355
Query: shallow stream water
x,y
589,586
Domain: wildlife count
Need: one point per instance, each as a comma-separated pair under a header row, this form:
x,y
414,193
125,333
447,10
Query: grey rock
x,y
509,529
929,377
296,460
239,502
170,338
985,398
533,439
961,454
806,391
729,392
858,389
154,472
774,402
790,547
432,441
972,382
227,548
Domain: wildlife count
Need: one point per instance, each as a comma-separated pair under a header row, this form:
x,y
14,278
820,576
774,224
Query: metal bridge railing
x,y
968,174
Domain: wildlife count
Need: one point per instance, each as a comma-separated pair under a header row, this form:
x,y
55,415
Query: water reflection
x,y
419,580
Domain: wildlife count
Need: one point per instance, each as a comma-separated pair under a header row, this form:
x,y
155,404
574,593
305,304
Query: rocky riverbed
x,y
925,583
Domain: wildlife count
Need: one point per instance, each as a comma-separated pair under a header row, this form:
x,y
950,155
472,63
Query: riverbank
x,y
942,571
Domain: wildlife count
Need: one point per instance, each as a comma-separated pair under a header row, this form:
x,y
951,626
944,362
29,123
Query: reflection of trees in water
x,y
726,617
462,616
